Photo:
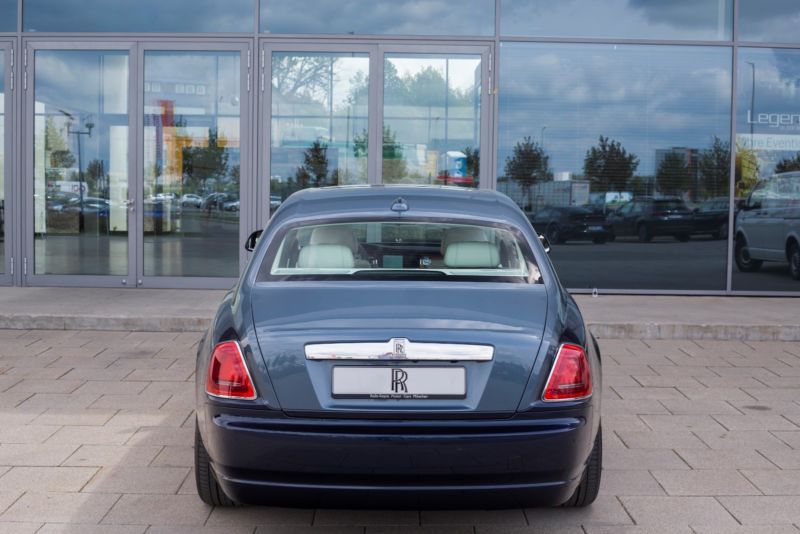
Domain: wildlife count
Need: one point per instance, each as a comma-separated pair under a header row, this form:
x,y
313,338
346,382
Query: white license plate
x,y
595,228
406,383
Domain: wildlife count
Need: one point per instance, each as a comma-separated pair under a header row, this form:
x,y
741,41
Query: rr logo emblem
x,y
399,347
399,378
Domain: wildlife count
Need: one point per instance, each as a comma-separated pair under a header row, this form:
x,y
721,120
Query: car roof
x,y
378,199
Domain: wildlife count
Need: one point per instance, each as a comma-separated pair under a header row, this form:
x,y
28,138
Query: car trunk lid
x,y
430,319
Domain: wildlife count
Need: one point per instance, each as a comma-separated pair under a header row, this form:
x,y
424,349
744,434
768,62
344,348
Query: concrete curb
x,y
719,332
600,330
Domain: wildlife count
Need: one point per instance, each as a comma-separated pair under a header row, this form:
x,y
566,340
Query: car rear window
x,y
400,250
669,205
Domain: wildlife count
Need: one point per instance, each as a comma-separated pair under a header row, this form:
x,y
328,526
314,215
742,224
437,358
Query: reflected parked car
x,y
190,199
231,205
711,217
216,201
562,224
768,225
351,368
649,217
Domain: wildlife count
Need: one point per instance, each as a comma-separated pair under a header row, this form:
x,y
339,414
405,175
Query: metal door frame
x,y
29,277
9,213
246,125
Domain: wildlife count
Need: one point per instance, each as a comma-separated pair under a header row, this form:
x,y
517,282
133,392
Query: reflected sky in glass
x,y
631,19
138,16
766,93
8,15
646,97
379,17
773,21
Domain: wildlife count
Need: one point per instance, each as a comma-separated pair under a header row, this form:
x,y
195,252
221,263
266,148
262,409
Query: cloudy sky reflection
x,y
646,97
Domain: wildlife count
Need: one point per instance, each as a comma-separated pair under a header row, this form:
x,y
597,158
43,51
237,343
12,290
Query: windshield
x,y
400,250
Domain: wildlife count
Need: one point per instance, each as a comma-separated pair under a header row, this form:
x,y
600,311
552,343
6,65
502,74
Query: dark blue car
x,y
398,347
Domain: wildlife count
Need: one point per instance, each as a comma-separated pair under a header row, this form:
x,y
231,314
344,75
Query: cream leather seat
x,y
338,235
325,257
472,255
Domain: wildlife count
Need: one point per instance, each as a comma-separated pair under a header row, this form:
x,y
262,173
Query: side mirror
x,y
250,244
545,243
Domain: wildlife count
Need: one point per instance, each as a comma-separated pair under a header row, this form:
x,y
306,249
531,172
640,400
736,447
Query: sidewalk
x,y
609,316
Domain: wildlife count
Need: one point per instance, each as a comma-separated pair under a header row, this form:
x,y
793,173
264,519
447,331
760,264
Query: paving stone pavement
x,y
96,437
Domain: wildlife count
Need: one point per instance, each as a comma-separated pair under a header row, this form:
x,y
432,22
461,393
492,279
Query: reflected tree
x,y
673,176
314,171
473,162
394,165
528,165
747,170
56,145
788,164
609,166
714,168
303,77
202,164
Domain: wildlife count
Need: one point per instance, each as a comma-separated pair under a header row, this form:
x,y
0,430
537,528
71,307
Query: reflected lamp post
x,y
78,133
752,100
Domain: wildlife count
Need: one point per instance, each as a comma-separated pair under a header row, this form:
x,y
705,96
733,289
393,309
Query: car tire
x,y
644,234
683,238
741,255
208,489
553,234
589,487
794,260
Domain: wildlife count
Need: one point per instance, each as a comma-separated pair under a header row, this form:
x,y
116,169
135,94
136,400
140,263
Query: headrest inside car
x,y
325,257
462,233
472,255
334,235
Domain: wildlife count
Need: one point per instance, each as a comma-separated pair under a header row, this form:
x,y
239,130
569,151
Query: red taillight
x,y
228,376
571,378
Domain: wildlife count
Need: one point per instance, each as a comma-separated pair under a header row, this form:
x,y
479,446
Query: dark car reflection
x,y
562,224
711,217
649,217
768,225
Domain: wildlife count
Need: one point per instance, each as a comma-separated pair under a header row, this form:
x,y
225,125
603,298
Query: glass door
x,y
77,160
434,110
316,118
6,85
194,189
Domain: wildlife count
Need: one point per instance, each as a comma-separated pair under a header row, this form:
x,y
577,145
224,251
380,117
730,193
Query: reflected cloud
x,y
399,17
141,16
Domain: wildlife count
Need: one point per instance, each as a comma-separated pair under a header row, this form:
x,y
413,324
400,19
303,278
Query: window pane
x,y
378,17
769,20
431,119
8,15
620,155
140,16
630,19
81,162
766,250
319,121
192,155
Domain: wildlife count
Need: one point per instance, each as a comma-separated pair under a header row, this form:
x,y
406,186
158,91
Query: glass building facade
x,y
655,144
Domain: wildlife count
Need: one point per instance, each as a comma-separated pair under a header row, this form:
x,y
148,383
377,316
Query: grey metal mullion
x,y
265,131
375,111
246,146
486,143
732,175
136,180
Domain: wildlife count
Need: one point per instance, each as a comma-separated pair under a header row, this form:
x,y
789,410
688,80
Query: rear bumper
x,y
309,462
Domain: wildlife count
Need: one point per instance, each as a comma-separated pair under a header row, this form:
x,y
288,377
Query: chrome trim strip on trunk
x,y
399,349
